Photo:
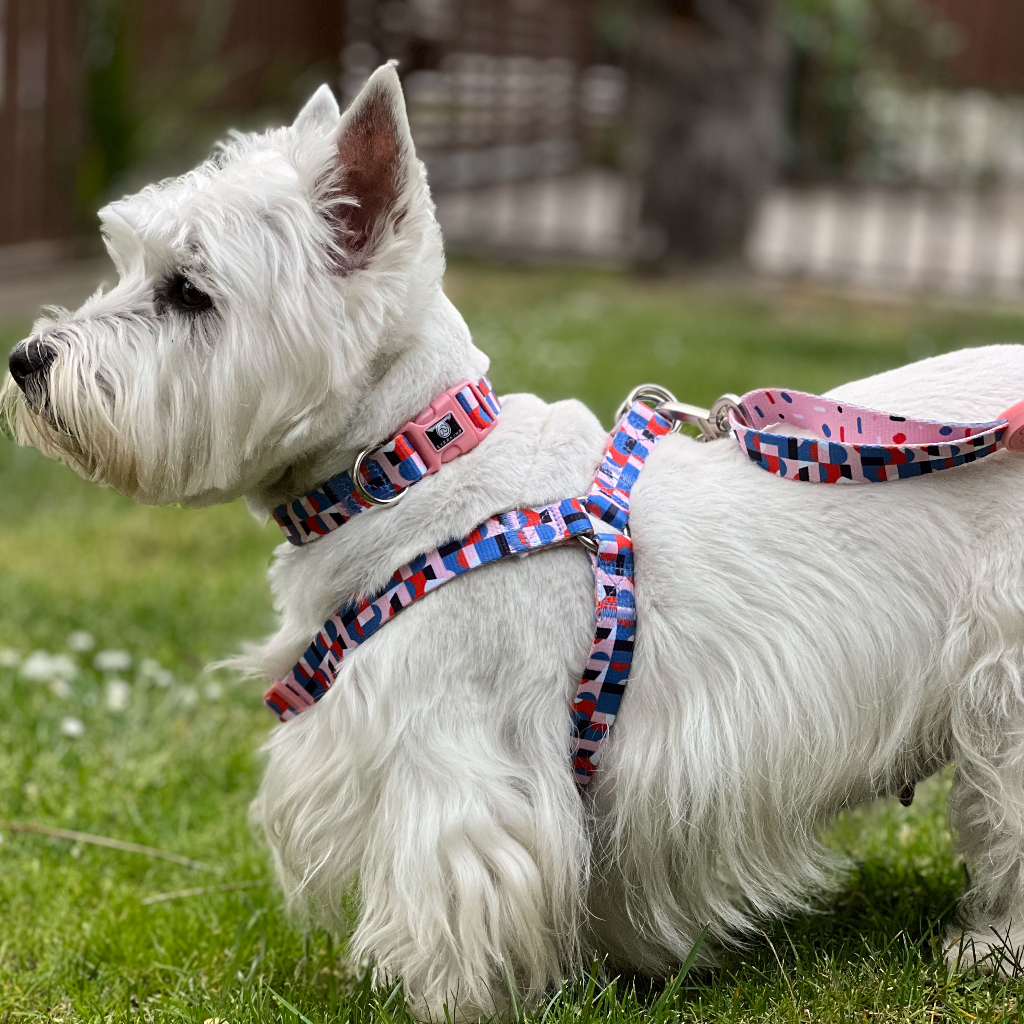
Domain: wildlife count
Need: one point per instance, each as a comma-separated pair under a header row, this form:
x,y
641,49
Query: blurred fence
x,y
940,205
498,90
991,35
40,119
520,114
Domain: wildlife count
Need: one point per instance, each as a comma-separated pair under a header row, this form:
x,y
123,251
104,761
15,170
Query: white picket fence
x,y
585,215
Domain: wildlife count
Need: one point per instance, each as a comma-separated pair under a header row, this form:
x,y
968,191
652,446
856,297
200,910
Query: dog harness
x,y
859,446
597,520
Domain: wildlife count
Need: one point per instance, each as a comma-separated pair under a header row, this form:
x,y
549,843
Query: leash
x,y
858,445
598,520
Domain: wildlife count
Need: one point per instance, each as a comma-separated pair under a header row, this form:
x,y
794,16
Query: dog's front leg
x,y
471,883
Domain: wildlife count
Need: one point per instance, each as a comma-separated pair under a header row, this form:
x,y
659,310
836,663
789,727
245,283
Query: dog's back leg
x,y
986,806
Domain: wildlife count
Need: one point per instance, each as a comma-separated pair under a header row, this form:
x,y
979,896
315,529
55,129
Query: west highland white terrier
x,y
799,648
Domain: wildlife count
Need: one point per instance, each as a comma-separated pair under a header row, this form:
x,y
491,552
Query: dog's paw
x,y
997,949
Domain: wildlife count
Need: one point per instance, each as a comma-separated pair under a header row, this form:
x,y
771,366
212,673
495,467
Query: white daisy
x,y
41,666
153,672
112,661
188,696
81,641
119,695
60,688
73,727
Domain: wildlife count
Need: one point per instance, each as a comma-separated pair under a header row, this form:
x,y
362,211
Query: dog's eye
x,y
186,294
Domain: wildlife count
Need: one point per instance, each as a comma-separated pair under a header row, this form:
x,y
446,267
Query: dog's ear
x,y
321,112
374,161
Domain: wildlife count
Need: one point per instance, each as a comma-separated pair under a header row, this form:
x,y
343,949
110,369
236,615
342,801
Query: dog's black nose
x,y
29,358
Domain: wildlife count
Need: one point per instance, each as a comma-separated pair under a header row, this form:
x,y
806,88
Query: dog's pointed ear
x,y
321,112
374,163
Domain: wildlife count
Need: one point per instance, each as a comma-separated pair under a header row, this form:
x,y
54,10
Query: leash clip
x,y
712,423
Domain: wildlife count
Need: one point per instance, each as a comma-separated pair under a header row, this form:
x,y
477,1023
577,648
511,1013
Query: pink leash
x,y
854,444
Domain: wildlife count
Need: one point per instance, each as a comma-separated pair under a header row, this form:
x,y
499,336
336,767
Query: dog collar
x,y
453,424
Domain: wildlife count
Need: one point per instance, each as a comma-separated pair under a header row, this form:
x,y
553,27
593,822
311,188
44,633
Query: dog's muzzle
x,y
29,364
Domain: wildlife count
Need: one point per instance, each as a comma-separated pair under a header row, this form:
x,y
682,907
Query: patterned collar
x,y
453,424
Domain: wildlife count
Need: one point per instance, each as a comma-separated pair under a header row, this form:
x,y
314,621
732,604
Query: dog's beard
x,y
69,417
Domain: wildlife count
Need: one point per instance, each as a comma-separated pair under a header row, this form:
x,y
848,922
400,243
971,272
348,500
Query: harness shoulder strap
x,y
607,671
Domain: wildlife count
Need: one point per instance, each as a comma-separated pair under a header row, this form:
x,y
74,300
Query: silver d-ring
x,y
719,415
363,492
650,393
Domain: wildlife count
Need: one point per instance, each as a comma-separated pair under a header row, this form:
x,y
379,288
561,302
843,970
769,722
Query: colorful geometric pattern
x,y
384,473
483,414
628,446
606,673
510,533
860,446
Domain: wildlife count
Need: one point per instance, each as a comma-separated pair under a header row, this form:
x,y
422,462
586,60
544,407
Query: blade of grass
x,y
510,983
288,1006
389,1002
201,890
782,971
94,840
671,990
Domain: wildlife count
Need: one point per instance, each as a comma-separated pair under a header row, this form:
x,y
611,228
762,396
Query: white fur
x,y
800,648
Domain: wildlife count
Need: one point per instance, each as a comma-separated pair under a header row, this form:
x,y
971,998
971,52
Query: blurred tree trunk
x,y
709,76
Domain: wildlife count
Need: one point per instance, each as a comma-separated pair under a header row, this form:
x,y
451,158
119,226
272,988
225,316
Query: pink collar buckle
x,y
453,424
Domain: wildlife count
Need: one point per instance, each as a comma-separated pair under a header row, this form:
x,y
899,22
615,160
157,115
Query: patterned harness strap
x,y
861,445
451,425
512,533
611,656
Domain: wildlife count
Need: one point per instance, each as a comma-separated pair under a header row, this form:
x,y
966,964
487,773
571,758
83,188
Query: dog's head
x,y
257,295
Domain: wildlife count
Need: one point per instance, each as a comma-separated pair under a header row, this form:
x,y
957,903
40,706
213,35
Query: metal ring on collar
x,y
363,492
650,393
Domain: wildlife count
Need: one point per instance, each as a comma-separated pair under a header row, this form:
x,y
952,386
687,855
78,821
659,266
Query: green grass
x,y
176,768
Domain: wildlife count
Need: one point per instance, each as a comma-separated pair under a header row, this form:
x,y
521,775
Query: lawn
x,y
129,738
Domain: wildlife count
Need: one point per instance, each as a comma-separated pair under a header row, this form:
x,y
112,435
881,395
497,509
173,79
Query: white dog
x,y
799,649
